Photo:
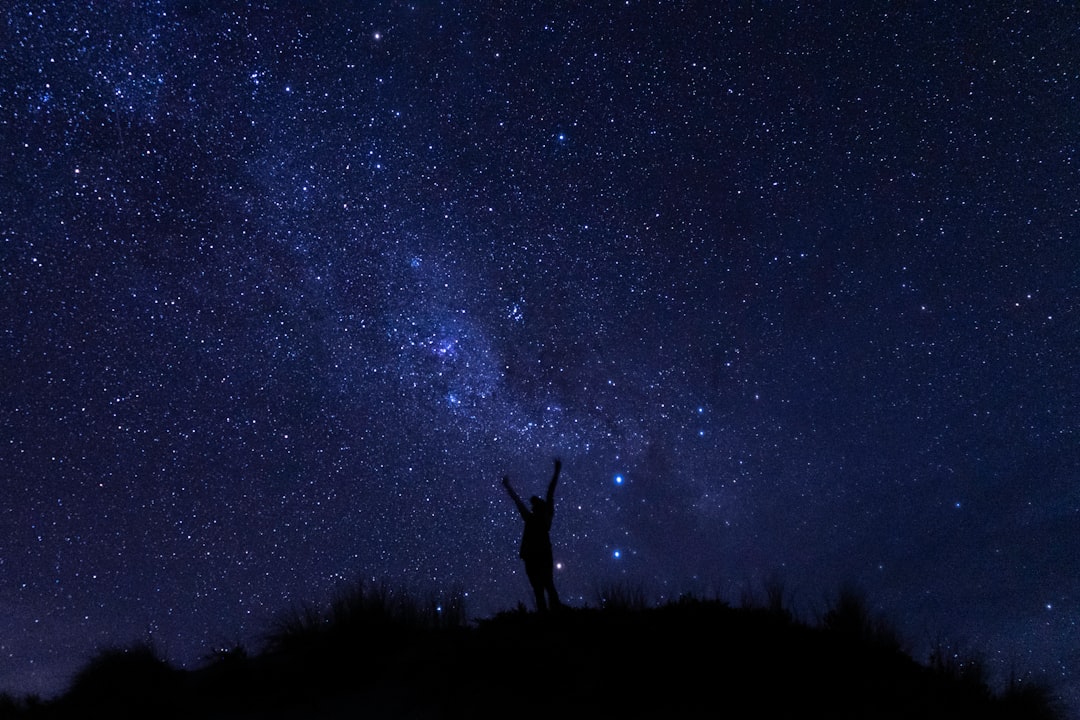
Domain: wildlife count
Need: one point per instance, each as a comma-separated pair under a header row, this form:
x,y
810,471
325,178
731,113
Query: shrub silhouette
x,y
364,614
850,617
621,596
132,679
13,707
965,667
1030,699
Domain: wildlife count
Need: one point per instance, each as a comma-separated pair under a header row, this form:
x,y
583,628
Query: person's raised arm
x,y
554,481
517,500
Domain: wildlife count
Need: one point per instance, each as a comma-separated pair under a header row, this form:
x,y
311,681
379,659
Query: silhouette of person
x,y
536,542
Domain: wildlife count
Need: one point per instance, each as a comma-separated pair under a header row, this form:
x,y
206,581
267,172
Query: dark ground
x,y
691,658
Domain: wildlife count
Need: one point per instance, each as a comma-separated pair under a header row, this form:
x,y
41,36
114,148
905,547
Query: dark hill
x,y
690,658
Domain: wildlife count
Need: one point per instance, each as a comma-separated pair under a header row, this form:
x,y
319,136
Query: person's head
x,y
536,502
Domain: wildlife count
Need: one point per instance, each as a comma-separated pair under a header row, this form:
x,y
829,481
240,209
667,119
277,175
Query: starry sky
x,y
288,287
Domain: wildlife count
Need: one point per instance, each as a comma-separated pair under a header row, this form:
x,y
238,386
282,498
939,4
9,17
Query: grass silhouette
x,y
377,652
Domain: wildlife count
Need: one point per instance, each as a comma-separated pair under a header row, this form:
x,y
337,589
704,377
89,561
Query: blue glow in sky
x,y
282,312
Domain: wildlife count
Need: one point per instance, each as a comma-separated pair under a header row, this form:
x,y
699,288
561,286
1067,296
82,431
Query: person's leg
x,y
536,579
538,590
553,595
549,585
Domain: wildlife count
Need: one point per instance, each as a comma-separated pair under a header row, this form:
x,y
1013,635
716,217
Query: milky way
x,y
286,291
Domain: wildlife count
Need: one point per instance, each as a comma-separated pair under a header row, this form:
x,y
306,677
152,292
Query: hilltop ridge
x,y
374,655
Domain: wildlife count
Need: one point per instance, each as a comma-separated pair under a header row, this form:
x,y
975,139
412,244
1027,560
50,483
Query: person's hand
x,y
558,464
506,481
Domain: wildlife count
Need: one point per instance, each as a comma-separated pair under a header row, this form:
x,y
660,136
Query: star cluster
x,y
286,290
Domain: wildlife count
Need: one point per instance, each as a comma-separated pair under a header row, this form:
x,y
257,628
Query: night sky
x,y
287,288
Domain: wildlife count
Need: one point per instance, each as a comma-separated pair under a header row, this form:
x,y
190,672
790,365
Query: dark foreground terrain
x,y
367,658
